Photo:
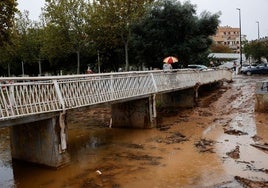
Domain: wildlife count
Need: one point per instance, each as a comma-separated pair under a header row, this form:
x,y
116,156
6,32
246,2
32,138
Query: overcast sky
x,y
251,12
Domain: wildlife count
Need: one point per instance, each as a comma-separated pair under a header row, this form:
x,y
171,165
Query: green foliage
x,y
30,41
111,22
9,54
7,13
220,48
256,50
65,29
172,28
144,30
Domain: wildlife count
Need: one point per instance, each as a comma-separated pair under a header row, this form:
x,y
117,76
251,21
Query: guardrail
x,y
36,95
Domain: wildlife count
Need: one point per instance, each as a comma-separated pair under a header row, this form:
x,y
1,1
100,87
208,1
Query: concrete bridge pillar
x,y
42,142
183,98
140,113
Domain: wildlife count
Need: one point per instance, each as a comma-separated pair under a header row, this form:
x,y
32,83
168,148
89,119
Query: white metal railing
x,y
36,95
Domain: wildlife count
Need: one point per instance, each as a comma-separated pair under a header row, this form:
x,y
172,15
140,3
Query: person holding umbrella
x,y
167,66
168,61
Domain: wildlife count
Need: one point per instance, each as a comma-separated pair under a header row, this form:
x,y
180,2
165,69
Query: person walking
x,y
234,67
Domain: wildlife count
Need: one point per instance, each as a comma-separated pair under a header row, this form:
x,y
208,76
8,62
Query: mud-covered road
x,y
206,146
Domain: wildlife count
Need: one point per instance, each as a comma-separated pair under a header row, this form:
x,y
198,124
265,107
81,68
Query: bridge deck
x,y
20,97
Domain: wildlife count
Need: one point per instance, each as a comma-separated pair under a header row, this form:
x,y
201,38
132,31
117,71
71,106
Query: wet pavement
x,y
205,146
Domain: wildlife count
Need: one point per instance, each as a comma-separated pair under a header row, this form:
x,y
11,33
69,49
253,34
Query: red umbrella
x,y
170,60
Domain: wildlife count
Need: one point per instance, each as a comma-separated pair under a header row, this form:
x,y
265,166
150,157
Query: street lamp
x,y
240,49
258,29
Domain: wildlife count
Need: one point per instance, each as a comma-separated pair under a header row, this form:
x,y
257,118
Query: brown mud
x,y
209,146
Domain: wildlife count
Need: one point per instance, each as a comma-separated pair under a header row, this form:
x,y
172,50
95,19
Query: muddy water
x,y
166,157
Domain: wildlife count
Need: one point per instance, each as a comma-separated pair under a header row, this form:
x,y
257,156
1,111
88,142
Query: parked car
x,y
259,69
198,67
245,67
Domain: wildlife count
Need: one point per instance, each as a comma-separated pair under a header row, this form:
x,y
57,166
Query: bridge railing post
x,y
112,87
154,82
63,142
59,94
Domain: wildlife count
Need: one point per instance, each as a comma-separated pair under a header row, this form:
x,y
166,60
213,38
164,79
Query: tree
x,y
256,50
9,54
111,22
30,34
172,28
24,46
7,13
65,28
220,48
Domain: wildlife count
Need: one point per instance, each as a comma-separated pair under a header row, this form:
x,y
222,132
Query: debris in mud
x,y
257,170
183,118
223,184
205,145
98,183
235,154
263,170
256,138
250,183
205,114
151,159
261,146
164,128
174,138
244,162
234,132
223,122
91,183
134,146
168,112
98,172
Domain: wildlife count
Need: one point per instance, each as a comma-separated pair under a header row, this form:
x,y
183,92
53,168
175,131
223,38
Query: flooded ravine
x,y
205,146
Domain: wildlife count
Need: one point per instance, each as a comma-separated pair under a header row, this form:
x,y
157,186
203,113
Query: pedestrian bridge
x,y
36,107
28,96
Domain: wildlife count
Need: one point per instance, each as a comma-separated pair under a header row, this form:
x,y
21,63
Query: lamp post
x,y
258,29
240,49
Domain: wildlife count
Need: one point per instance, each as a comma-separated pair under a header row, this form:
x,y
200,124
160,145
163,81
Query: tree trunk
x,y
78,62
126,56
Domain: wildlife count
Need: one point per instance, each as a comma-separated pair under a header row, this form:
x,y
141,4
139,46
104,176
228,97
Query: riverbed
x,y
206,146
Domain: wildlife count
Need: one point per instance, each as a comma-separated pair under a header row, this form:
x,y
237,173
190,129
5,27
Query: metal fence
x,y
36,95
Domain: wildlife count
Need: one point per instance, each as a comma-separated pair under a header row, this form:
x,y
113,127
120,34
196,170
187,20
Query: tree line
x,y
106,35
257,50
